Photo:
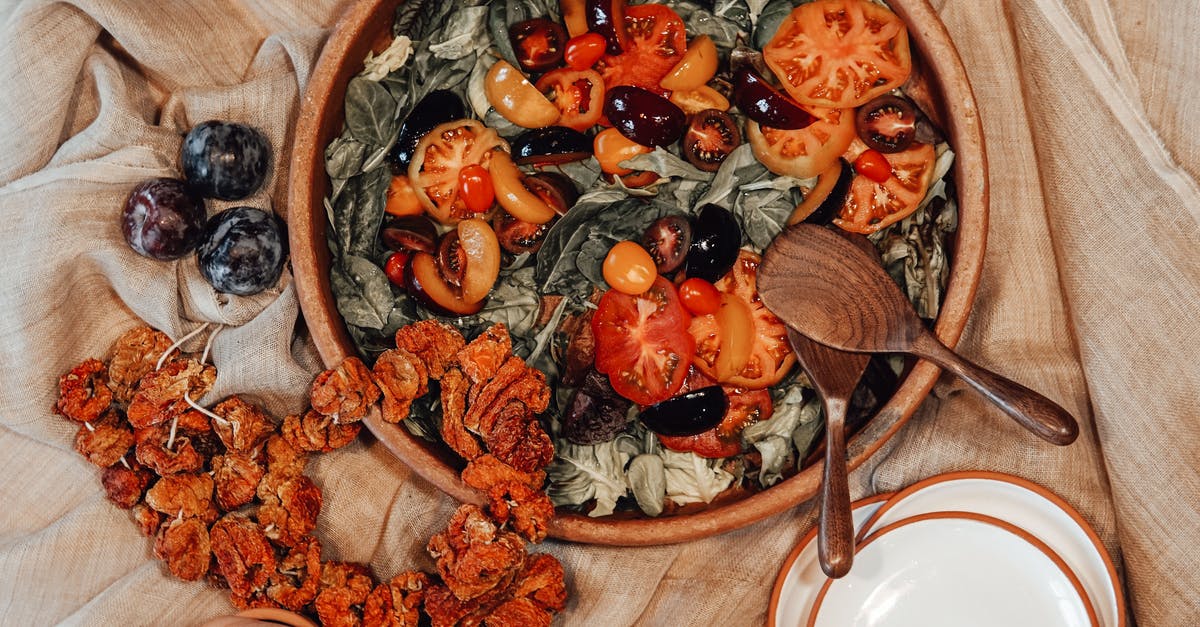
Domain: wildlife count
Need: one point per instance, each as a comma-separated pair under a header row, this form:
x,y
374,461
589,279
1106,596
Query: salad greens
x,y
451,45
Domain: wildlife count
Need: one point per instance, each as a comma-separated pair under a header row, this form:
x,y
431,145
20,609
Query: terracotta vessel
x,y
945,94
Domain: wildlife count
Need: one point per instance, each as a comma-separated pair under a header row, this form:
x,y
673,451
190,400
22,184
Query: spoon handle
x,y
835,528
1033,411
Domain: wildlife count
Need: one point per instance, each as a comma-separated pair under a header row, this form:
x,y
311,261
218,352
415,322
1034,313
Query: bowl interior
x,y
367,26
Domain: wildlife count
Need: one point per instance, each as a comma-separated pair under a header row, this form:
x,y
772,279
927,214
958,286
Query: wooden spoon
x,y
827,289
834,374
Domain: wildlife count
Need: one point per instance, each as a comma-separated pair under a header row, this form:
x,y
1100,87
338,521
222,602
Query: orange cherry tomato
x,y
584,51
629,269
402,199
611,148
394,267
699,297
574,16
475,188
578,94
873,165
697,66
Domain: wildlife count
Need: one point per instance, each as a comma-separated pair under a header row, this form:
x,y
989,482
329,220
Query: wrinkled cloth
x,y
1088,294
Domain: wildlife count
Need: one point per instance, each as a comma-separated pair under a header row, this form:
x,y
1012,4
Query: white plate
x,y
1028,506
949,569
801,577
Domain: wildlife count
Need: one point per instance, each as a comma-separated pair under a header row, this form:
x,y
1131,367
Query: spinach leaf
x,y
465,33
364,293
370,111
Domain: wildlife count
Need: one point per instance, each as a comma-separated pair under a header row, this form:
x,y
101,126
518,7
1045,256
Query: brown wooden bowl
x,y
366,25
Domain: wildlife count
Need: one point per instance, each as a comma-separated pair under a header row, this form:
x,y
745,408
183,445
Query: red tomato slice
x,y
642,342
657,39
746,407
839,53
872,205
578,94
771,355
805,152
441,156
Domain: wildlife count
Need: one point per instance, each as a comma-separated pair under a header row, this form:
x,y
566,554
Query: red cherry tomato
x,y
699,296
873,165
585,50
475,188
394,267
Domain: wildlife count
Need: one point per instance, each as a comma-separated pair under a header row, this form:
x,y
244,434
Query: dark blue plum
x,y
225,160
243,251
163,219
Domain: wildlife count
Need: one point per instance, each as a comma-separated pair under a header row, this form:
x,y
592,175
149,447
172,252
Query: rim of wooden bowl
x,y
366,25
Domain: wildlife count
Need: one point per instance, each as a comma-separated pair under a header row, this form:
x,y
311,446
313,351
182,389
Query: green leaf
x,y
364,295
370,111
344,158
465,33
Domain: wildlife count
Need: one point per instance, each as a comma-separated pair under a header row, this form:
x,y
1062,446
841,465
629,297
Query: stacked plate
x,y
968,548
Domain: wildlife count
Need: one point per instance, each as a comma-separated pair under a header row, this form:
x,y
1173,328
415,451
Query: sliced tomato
x,y
441,156
578,94
642,342
872,205
771,355
839,53
657,40
746,407
804,152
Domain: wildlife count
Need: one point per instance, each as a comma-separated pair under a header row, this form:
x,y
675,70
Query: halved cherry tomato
x,y
711,136
611,148
394,267
771,355
583,51
839,53
509,184
481,250
873,165
578,94
439,158
735,326
699,296
475,188
539,43
402,200
746,407
516,99
872,205
697,66
804,152
628,268
657,40
642,342
693,101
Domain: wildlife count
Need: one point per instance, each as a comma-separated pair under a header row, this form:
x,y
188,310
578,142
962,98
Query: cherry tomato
x,y
872,205
710,137
839,53
805,152
873,165
439,158
516,99
538,43
771,355
628,268
642,342
693,101
887,124
402,199
475,188
611,148
695,68
394,267
578,94
699,296
584,51
657,40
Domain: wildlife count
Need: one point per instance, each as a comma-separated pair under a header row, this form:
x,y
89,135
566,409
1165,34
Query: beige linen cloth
x,y
1090,294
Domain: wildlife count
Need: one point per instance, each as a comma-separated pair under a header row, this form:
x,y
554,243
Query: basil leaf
x,y
344,158
464,33
370,111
